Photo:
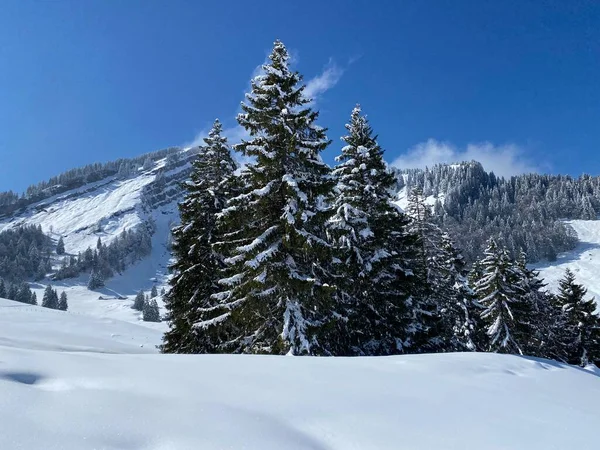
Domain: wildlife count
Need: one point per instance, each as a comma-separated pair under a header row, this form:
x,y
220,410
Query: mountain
x,y
88,383
101,201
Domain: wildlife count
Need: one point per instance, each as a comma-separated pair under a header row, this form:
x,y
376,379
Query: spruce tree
x,y
60,246
542,334
63,304
582,326
506,315
153,292
197,264
138,303
33,298
96,280
2,289
371,246
50,299
151,311
273,296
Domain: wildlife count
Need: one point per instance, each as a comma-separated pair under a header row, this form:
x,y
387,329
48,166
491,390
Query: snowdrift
x,y
61,388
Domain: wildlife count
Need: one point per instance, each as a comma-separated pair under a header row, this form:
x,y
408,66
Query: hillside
x,y
584,260
78,396
146,196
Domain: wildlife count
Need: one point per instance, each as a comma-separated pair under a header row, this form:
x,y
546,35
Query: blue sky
x,y
514,83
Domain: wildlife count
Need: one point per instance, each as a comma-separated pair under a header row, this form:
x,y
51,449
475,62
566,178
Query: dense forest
x,y
523,212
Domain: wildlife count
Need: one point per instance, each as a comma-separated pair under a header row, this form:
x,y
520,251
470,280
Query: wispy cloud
x,y
503,160
317,86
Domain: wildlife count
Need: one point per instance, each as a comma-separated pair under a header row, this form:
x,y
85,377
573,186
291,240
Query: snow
x,y
118,205
584,260
71,382
402,199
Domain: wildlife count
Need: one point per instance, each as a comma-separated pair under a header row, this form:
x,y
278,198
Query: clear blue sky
x,y
84,80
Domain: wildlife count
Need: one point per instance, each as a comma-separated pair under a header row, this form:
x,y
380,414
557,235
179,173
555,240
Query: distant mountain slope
x,y
584,260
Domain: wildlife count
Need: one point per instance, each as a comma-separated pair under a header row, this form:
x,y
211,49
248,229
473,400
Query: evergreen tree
x,y
162,292
63,305
197,265
96,280
582,325
34,298
24,294
50,299
273,296
542,333
12,292
60,246
371,247
2,289
457,310
153,292
138,303
151,311
506,315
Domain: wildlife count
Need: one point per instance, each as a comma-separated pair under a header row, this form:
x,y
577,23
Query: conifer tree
x,y
153,292
540,337
96,280
60,246
33,298
50,299
371,248
273,296
138,303
151,311
197,264
2,289
582,326
506,315
63,304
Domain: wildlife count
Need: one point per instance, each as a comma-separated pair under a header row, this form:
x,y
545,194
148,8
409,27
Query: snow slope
x,y
584,260
55,396
33,327
104,209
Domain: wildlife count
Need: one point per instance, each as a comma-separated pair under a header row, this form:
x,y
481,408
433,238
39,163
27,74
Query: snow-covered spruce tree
x,y
60,246
153,292
543,340
445,308
138,303
50,299
371,245
507,315
459,312
151,311
96,280
2,289
273,298
197,265
63,304
581,334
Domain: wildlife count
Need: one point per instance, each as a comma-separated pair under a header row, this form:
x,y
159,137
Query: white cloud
x,y
503,160
320,84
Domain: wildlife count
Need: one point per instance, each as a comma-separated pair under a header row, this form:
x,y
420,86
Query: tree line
x,y
290,256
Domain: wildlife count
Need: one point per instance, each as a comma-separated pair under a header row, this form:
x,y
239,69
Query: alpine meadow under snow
x,y
74,382
441,308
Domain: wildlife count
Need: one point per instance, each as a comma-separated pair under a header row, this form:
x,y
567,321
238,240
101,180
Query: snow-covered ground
x,y
584,261
62,388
